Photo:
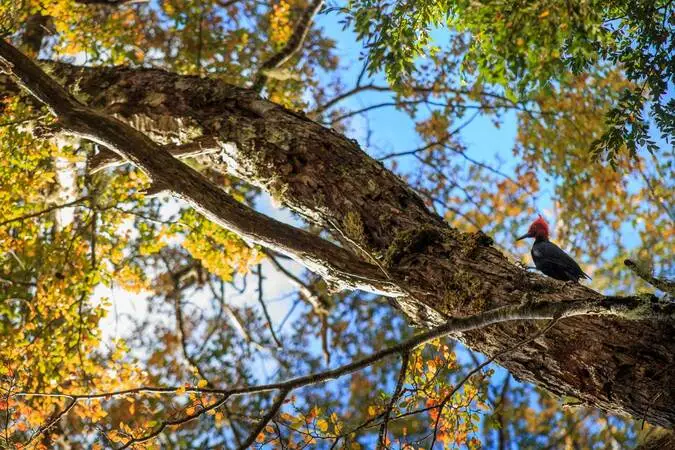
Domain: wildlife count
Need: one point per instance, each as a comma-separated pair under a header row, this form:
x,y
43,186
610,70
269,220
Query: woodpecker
x,y
548,257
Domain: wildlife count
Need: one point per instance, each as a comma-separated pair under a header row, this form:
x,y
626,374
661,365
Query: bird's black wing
x,y
554,262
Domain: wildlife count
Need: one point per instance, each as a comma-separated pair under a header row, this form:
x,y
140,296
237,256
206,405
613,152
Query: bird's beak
x,y
526,235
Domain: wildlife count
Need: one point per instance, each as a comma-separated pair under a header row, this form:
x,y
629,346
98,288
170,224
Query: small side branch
x,y
382,438
661,284
266,419
44,211
319,304
57,417
477,369
293,45
204,145
261,300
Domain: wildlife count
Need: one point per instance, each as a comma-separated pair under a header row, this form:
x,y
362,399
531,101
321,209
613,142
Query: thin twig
x,y
261,300
382,439
266,419
45,211
307,293
52,422
447,398
183,338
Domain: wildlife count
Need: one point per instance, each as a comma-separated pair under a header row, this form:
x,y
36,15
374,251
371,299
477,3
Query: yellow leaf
x,y
322,425
544,14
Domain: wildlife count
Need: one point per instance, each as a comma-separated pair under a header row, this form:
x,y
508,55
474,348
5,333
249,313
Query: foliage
x,y
76,247
526,47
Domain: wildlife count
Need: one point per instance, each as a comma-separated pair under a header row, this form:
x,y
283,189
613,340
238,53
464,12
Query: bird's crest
x,y
539,228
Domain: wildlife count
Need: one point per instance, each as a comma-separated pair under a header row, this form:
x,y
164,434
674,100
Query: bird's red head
x,y
538,229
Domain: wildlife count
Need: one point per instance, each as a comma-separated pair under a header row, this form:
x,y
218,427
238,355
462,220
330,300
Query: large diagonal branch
x,y
618,365
325,258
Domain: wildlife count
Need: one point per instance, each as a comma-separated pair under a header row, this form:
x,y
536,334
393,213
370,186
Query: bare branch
x,y
261,300
611,306
201,146
319,304
382,439
266,419
293,45
421,90
183,338
661,284
45,211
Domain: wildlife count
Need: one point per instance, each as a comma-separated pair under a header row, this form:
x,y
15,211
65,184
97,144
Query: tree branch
x,y
261,300
204,145
293,45
265,420
319,304
382,436
57,417
526,311
661,284
44,211
325,258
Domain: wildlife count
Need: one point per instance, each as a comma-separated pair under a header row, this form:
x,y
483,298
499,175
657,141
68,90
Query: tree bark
x,y
622,366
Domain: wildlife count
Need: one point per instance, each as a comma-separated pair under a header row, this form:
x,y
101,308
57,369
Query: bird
x,y
548,257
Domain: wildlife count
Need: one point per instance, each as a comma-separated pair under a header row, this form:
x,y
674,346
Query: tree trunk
x,y
621,366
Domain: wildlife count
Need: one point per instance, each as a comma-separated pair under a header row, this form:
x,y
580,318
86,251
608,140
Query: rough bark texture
x,y
621,366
